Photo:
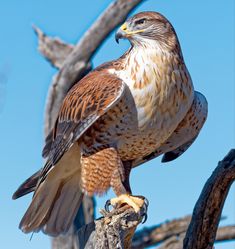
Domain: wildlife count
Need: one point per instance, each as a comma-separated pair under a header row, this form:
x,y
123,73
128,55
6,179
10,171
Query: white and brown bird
x,y
122,114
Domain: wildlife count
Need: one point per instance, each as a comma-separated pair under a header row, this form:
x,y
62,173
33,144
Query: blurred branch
x,y
207,211
159,233
174,242
53,49
226,233
170,235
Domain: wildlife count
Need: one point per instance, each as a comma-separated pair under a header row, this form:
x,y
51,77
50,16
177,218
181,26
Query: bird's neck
x,y
150,64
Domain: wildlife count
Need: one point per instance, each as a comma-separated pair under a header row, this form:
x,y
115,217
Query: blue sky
x,y
206,32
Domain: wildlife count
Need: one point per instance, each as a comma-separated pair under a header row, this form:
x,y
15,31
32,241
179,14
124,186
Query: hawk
x,y
122,114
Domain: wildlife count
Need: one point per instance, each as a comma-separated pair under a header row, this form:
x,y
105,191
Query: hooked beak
x,y
126,32
121,33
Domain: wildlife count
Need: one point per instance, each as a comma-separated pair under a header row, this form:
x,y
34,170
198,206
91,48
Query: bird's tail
x,y
57,199
27,186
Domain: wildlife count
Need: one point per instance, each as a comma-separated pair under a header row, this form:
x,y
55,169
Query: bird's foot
x,y
138,203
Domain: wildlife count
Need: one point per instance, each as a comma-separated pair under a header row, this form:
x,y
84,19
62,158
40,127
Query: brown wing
x,y
184,135
88,100
188,130
172,155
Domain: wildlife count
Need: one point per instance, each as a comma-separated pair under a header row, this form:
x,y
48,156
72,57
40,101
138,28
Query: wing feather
x,y
88,100
184,135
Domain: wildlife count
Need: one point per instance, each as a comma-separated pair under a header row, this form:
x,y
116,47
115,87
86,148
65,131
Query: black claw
x,y
146,202
145,217
144,214
107,205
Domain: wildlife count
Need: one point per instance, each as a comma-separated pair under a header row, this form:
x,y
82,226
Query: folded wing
x,y
184,135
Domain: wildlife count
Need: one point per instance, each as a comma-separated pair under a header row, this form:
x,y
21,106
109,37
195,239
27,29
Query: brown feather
x,y
27,186
57,198
104,89
100,170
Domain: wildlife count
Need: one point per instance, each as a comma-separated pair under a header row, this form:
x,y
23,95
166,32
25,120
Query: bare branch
x,y
170,234
225,234
207,211
53,49
174,242
77,63
159,233
114,230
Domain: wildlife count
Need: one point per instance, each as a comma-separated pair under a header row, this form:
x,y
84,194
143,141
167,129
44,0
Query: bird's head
x,y
148,27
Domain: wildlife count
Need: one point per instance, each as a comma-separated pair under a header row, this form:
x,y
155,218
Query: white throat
x,y
142,64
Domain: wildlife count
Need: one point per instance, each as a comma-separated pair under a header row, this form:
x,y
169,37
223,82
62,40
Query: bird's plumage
x,y
120,115
83,105
184,135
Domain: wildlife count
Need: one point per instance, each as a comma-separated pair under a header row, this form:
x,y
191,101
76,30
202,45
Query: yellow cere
x,y
124,28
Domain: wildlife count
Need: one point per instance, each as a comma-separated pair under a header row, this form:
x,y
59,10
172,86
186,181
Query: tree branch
x,y
207,211
114,230
226,233
170,234
159,233
174,242
53,49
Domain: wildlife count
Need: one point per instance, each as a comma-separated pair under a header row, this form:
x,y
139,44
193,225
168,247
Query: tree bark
x,y
53,49
113,230
207,211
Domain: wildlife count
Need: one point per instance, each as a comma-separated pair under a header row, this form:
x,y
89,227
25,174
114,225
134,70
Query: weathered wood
x,y
113,230
207,211
53,49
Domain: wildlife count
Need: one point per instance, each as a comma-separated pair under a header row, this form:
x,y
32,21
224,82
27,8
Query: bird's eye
x,y
140,21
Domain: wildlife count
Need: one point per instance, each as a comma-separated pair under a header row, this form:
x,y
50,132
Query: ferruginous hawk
x,y
123,113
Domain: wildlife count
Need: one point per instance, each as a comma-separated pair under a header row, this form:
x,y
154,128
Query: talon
x,y
146,202
145,217
107,205
135,202
144,208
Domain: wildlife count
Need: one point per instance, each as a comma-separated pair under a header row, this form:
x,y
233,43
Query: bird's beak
x,y
121,33
125,31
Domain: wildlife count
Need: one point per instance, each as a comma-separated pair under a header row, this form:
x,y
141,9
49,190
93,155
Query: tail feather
x,y
65,208
27,186
57,198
